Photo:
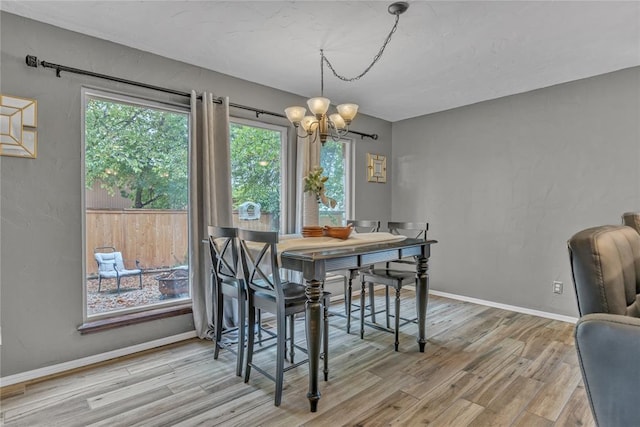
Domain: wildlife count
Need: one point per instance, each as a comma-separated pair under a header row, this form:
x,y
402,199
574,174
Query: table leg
x,y
313,327
422,298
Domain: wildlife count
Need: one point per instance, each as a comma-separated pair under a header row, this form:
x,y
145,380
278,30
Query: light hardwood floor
x,y
482,366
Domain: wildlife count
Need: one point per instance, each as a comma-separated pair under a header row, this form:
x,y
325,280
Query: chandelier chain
x,y
323,58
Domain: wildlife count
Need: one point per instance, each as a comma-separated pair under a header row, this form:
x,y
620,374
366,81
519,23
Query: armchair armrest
x,y
608,348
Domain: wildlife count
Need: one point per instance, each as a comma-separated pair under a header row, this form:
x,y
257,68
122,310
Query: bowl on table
x,y
312,231
338,232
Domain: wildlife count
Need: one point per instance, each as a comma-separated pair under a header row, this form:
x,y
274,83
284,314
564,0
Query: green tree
x,y
139,151
332,161
255,166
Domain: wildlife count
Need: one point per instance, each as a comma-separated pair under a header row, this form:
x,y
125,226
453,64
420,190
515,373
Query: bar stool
x,y
393,277
362,226
266,291
225,282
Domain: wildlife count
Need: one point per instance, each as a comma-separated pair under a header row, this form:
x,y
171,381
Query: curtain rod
x,y
32,61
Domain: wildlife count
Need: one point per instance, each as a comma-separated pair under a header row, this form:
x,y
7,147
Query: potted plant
x,y
314,184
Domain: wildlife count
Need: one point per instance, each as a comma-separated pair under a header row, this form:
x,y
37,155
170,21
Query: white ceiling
x,y
444,54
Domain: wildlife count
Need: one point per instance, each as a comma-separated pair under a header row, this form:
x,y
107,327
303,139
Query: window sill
x,y
91,327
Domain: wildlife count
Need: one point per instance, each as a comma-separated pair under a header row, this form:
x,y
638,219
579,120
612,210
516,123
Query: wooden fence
x,y
157,238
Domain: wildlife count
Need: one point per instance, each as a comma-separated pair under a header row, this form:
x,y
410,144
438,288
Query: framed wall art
x,y
18,121
376,168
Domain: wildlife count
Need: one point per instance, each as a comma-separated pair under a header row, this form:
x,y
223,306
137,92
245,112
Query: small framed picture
x,y
376,168
18,121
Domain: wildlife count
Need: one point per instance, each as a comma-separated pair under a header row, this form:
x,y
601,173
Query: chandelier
x,y
321,125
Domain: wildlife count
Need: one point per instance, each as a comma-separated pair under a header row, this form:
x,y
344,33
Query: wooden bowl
x,y
312,231
338,232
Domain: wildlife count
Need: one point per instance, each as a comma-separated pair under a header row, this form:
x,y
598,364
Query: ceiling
x,y
444,54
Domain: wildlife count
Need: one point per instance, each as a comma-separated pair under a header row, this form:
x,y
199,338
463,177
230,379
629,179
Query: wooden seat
x,y
223,248
392,276
266,291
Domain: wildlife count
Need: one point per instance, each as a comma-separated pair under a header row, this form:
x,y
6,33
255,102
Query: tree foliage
x,y
332,162
139,151
255,166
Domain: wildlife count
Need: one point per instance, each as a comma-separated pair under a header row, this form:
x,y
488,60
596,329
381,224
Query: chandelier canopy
x,y
320,124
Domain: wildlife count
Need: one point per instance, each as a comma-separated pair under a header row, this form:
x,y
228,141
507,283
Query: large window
x,y
136,179
258,178
335,159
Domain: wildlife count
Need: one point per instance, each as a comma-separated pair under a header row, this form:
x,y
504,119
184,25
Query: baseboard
x,y
515,308
85,361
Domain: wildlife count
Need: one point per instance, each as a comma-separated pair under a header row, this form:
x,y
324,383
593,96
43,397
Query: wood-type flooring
x,y
482,367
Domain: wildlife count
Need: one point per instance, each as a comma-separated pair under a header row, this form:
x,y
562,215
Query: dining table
x,y
314,258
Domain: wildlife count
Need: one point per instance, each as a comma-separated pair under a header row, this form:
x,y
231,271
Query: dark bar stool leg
x,y
397,313
362,299
372,303
250,340
242,319
386,302
280,355
217,326
259,327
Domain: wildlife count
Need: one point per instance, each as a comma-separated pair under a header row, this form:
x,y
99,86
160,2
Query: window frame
x,y
88,93
285,207
349,148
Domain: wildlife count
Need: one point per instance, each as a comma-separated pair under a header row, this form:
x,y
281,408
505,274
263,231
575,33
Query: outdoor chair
x,y
111,266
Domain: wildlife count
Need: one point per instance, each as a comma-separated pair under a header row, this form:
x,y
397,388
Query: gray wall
x,y
505,183
41,235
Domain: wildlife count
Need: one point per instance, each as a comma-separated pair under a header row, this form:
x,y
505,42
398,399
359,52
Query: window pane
x,y
332,160
136,194
256,177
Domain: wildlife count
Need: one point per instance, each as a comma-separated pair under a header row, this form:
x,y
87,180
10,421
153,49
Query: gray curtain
x,y
308,156
209,197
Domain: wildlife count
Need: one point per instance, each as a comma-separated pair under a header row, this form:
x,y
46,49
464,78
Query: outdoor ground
x,y
130,293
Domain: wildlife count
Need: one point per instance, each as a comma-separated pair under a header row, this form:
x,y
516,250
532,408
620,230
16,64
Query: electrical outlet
x,y
557,287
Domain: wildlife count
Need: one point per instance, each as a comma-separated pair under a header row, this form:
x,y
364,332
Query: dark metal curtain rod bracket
x,y
32,61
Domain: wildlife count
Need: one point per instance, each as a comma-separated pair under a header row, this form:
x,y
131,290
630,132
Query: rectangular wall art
x,y
18,121
376,168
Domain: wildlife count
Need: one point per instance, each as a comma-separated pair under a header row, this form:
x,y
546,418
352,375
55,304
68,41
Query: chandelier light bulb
x,y
318,105
338,121
295,114
306,123
347,111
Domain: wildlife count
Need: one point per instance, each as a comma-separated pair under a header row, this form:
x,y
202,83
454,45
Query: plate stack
x,y
312,231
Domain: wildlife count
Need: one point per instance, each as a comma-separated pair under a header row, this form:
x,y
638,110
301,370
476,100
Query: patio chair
x,y
111,266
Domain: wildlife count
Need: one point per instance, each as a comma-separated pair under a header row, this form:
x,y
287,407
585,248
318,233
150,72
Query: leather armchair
x,y
605,263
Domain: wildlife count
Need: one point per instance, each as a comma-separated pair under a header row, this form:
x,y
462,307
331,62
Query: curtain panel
x,y
308,157
209,198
